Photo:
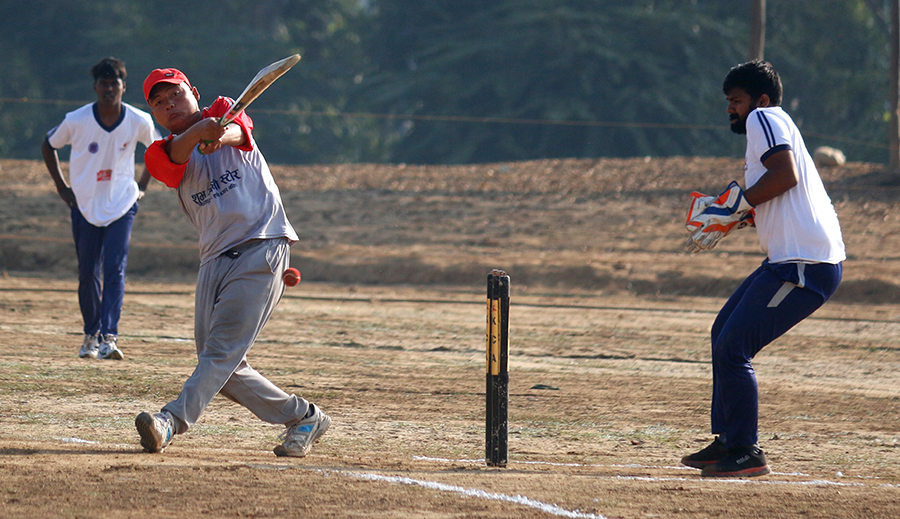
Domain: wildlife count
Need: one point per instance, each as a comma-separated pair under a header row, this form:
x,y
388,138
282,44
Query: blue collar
x,y
115,125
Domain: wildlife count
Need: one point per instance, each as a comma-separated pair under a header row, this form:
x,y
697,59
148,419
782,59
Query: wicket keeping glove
x,y
701,240
699,202
710,219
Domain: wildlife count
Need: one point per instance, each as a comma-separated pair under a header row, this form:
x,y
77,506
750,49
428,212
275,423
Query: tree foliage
x,y
632,64
49,47
836,84
450,81
555,60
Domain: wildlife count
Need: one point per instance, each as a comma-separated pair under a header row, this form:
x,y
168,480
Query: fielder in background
x,y
103,199
798,230
224,186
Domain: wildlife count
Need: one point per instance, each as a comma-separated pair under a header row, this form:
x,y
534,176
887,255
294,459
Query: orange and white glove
x,y
710,219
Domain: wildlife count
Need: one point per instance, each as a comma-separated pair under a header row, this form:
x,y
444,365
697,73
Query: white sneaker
x,y
156,430
90,347
108,348
298,438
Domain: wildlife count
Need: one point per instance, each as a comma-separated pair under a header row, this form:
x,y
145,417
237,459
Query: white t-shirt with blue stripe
x,y
801,224
101,162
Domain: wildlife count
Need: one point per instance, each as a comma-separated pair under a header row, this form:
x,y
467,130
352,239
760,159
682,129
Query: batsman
x,y
227,191
798,230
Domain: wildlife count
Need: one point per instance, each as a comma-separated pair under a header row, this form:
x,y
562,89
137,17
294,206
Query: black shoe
x,y
706,457
741,462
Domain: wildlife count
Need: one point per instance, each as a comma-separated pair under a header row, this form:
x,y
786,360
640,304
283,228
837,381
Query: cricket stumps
x,y
497,389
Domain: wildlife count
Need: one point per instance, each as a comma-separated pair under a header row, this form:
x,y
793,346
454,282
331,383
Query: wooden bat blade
x,y
258,85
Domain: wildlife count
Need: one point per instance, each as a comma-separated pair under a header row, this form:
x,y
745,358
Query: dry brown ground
x,y
386,334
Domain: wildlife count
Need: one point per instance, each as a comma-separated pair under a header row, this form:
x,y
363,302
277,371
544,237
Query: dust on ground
x,y
610,376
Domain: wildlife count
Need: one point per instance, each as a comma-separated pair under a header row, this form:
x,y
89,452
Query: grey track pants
x,y
236,295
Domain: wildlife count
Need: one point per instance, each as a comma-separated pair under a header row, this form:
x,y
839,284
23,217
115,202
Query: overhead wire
x,y
482,120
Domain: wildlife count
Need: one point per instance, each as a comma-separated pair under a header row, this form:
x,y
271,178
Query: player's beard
x,y
738,125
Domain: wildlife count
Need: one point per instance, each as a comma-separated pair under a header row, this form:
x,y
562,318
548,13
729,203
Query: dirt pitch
x,y
610,376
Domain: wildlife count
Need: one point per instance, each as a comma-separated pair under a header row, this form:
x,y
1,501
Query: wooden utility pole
x,y
758,29
894,130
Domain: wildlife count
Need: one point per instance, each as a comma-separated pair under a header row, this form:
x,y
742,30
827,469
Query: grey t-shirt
x,y
231,197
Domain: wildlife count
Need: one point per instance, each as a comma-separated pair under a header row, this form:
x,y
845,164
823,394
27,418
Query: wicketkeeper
x,y
798,230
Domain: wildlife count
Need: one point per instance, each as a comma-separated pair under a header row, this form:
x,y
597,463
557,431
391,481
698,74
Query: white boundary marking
x,y
540,505
481,494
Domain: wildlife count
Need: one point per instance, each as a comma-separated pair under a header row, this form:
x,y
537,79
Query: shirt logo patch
x,y
94,147
217,187
104,175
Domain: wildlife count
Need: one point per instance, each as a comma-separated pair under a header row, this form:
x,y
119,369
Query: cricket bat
x,y
258,85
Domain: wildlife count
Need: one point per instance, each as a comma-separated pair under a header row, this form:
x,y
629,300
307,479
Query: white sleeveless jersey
x,y
101,162
801,224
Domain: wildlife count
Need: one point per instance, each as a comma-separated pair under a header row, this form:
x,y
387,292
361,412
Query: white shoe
x,y
108,348
90,347
298,438
156,430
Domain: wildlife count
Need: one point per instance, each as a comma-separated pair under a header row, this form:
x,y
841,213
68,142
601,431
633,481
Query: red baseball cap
x,y
164,75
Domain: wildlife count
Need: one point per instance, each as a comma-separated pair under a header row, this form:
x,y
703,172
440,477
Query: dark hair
x,y
755,77
109,67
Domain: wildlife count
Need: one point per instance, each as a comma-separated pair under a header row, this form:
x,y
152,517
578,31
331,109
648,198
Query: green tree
x,y
49,47
629,63
835,85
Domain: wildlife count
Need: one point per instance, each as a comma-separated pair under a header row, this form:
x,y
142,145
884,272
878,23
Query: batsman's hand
x,y
209,134
710,219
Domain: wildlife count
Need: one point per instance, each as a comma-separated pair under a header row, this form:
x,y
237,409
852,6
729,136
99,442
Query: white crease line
x,y
659,479
471,492
744,481
446,460
553,464
812,482
539,505
74,440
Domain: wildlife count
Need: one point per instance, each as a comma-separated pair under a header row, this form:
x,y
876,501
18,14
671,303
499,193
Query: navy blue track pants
x,y
768,303
102,249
